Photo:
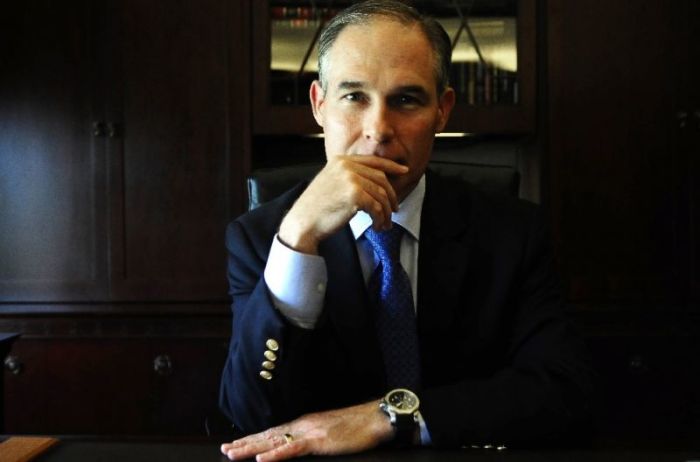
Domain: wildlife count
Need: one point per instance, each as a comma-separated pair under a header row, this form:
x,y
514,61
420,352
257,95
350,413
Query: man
x,y
308,366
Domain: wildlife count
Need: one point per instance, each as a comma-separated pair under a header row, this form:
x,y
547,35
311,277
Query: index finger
x,y
254,444
289,450
384,164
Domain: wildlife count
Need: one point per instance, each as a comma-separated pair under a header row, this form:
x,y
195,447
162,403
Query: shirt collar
x,y
408,215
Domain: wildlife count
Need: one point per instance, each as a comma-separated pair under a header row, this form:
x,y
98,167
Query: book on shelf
x,y
483,84
301,12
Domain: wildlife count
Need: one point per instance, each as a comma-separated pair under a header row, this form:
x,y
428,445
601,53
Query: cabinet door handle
x,y
637,365
13,365
98,129
162,365
114,129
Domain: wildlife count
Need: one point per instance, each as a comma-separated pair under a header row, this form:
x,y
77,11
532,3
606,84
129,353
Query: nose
x,y
377,127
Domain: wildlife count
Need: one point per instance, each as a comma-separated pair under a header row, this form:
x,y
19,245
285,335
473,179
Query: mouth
x,y
394,177
398,160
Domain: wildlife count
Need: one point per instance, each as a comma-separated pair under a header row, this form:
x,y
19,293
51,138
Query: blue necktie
x,y
390,289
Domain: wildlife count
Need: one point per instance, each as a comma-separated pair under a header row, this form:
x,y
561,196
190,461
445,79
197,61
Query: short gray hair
x,y
362,13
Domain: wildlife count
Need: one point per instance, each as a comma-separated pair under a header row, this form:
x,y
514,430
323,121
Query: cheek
x,y
340,134
340,117
419,138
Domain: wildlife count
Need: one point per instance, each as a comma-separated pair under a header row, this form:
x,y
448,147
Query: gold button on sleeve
x,y
272,344
266,375
268,365
270,356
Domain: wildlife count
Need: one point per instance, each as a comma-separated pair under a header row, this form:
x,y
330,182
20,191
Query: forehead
x,y
382,49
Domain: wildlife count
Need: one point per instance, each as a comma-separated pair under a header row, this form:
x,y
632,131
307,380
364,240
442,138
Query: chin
x,y
402,189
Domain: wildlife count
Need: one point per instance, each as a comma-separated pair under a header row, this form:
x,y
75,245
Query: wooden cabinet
x,y
622,141
688,117
123,142
122,147
495,86
648,385
177,175
113,385
623,144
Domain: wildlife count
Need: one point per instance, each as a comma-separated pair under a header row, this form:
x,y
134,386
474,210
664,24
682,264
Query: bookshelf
x,y
493,68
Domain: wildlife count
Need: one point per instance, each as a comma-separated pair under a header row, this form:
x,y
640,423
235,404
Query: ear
x,y
446,102
317,96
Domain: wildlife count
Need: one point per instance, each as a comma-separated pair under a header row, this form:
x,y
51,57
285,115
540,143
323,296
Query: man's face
x,y
381,97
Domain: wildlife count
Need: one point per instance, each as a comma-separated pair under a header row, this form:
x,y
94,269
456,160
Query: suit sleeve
x,y
541,391
255,402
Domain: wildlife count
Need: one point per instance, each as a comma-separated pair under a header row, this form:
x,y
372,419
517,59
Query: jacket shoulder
x,y
268,216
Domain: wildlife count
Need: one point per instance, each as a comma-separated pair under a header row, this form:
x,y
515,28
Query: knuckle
x,y
343,164
299,447
359,196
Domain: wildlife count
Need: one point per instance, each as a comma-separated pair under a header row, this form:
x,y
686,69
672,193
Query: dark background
x,y
127,129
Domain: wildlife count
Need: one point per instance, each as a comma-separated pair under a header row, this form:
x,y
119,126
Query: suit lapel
x,y
348,305
445,247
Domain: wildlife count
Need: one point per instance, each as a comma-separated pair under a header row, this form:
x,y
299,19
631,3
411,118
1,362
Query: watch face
x,y
403,401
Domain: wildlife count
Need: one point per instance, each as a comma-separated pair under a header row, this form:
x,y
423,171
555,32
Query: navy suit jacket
x,y
500,361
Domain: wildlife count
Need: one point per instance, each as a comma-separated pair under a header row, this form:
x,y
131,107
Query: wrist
x,y
295,235
401,408
385,431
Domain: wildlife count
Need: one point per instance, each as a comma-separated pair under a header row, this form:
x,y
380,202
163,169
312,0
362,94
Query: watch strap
x,y
406,426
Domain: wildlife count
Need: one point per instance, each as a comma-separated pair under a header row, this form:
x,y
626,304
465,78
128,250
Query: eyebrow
x,y
350,85
356,84
412,89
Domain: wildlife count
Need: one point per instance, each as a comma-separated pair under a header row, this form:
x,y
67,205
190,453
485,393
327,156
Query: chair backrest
x,y
267,183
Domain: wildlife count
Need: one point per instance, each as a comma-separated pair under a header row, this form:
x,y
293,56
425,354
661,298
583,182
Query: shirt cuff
x,y
297,283
425,439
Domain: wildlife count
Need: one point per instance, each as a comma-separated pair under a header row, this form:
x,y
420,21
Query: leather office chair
x,y
268,183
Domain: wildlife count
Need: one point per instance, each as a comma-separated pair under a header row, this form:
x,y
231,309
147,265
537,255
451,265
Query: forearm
x,y
253,395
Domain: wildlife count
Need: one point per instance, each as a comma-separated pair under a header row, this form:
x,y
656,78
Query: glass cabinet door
x,y
492,61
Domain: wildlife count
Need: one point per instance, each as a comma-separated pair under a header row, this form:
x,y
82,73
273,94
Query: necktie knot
x,y
386,244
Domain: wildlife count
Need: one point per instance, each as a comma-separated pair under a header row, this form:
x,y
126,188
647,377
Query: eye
x,y
406,101
354,97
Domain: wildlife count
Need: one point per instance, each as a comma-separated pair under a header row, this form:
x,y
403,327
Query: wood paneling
x,y
53,218
172,175
614,89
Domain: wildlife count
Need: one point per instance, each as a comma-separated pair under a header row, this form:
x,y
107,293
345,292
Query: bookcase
x,y
493,68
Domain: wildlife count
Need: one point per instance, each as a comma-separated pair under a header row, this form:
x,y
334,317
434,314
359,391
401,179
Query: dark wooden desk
x,y
208,451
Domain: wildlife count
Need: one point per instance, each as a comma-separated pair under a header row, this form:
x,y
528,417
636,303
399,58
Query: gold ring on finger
x,y
288,438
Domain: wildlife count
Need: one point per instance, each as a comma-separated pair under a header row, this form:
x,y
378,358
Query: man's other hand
x,y
343,431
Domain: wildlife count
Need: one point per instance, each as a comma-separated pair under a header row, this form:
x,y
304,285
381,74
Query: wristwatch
x,y
401,405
